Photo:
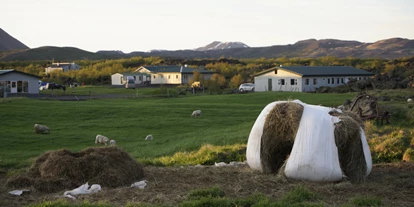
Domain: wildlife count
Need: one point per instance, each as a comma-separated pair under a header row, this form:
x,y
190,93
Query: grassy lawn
x,y
226,120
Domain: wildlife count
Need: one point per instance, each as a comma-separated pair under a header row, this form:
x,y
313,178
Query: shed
x,y
306,78
14,81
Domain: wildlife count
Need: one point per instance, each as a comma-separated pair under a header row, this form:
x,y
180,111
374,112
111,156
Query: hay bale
x,y
350,150
278,136
62,169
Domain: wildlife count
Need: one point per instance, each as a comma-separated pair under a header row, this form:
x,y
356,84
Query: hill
x,y
311,48
216,45
7,42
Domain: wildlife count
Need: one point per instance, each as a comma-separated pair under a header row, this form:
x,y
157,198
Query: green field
x,y
226,120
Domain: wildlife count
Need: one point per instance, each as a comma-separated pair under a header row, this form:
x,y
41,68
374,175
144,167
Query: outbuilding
x,y
306,78
14,81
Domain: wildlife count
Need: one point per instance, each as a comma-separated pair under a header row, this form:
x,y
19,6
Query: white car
x,y
246,87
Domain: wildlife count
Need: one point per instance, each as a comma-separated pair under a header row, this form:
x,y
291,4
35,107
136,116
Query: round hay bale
x,y
62,169
350,151
278,136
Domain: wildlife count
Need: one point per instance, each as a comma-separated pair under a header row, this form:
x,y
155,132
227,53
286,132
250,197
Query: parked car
x,y
74,84
53,86
130,84
246,87
42,85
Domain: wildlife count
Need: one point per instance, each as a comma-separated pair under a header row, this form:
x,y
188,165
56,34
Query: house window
x,y
307,81
25,87
185,77
135,78
333,80
337,80
293,82
282,81
359,78
161,76
329,81
342,80
169,76
140,78
278,81
315,81
176,76
154,76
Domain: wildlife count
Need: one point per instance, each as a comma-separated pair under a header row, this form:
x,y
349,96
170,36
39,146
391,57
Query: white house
x,y
14,81
64,67
118,79
173,74
306,78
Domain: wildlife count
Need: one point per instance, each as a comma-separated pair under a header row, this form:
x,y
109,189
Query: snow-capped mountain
x,y
217,45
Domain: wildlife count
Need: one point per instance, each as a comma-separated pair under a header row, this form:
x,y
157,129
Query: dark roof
x,y
134,74
174,69
306,71
59,66
3,72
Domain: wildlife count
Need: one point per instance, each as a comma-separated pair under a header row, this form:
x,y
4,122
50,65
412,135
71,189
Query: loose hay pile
x,y
62,169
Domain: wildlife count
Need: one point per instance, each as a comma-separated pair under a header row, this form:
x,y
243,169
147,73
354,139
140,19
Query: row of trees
x,y
229,72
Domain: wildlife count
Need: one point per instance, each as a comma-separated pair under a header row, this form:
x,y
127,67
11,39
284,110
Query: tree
x,y
236,81
219,79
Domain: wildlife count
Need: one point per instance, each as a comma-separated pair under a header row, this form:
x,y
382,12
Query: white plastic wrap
x,y
255,137
367,152
314,156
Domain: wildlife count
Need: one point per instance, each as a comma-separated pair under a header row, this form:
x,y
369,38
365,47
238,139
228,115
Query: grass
x,y
226,120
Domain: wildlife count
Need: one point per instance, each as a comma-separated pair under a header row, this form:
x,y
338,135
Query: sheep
x,y
112,142
100,139
409,100
196,113
41,129
149,137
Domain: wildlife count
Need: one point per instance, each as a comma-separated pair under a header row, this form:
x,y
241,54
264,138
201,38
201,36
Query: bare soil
x,y
394,183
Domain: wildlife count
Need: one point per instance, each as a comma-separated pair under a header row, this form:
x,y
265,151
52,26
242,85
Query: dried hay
x,y
279,133
62,169
350,151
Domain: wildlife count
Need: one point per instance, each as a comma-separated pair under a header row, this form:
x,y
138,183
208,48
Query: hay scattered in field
x,y
279,133
62,169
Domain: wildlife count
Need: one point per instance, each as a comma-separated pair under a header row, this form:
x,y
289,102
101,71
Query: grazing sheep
x,y
149,137
196,113
112,142
100,139
409,100
41,129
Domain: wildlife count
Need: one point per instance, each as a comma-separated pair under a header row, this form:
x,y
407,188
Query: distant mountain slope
x,y
216,45
49,53
311,48
7,42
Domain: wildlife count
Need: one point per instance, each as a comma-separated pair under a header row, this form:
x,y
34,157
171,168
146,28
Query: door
x,y
269,84
13,88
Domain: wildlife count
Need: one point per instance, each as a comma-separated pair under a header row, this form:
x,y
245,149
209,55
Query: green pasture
x,y
226,120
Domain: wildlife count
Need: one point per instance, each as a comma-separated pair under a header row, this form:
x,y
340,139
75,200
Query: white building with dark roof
x,y
64,67
306,78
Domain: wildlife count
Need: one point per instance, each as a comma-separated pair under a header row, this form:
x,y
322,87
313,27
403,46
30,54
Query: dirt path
x,y
392,182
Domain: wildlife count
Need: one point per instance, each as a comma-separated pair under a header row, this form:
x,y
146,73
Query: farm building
x,y
13,81
118,79
173,74
64,67
306,78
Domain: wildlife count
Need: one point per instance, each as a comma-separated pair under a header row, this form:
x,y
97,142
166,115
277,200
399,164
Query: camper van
x,y
130,83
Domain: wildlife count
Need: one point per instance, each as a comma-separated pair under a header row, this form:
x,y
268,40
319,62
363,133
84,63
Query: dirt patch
x,y
62,169
394,183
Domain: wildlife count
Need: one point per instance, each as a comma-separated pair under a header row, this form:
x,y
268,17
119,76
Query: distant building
x,y
306,78
118,79
64,67
172,74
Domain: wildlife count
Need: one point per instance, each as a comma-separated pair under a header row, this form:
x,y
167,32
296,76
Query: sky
x,y
143,25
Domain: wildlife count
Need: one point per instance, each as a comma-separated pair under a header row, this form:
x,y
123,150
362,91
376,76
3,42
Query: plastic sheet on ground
x,y
141,184
18,192
83,189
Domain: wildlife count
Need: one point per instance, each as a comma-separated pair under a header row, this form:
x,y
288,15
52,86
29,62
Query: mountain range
x,y
12,49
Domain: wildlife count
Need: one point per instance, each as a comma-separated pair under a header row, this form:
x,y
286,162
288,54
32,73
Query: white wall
x,y
116,79
33,82
166,78
292,82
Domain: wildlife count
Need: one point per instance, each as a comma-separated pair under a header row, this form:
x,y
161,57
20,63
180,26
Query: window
x,y
140,78
307,81
161,76
19,86
135,78
329,81
278,81
342,80
282,81
154,76
275,71
315,81
169,76
359,78
185,77
293,82
337,80
25,87
176,76
333,80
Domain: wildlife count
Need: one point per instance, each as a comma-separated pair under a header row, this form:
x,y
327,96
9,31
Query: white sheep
x,y
149,137
409,100
100,139
196,113
41,129
112,142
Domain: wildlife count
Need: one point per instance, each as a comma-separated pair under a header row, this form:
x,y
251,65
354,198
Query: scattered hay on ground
x,y
62,169
279,133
